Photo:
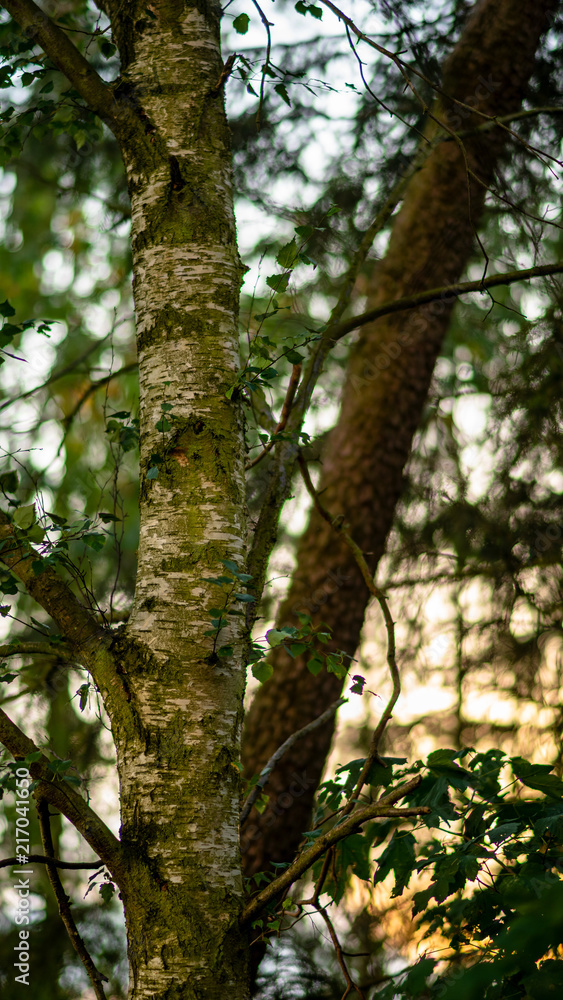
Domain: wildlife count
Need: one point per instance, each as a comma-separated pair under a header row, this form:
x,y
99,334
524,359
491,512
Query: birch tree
x,y
172,679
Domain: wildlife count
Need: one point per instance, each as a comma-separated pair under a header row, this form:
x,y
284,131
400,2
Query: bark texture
x,y
385,392
177,760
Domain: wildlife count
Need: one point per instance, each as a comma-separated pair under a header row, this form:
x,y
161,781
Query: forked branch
x,y
64,903
351,824
63,797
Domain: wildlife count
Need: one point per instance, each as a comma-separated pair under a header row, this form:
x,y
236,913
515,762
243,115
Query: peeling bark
x,y
387,383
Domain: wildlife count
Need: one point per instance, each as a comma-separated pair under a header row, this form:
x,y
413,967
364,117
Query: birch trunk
x,y
177,760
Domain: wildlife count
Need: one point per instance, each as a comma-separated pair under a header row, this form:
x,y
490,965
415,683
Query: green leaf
x,y
288,254
276,636
315,665
278,282
305,232
94,540
82,692
229,564
262,671
153,472
106,518
398,857
60,521
6,309
294,357
9,481
297,648
241,23
107,890
537,776
281,89
247,598
24,517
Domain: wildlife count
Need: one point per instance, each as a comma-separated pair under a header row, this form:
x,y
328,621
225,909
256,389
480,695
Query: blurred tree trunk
x,y
387,383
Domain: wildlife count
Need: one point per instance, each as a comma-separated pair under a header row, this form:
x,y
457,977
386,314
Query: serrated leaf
x,y
281,89
398,857
288,253
278,282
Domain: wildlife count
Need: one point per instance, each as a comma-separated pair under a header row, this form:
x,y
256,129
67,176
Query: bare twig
x,y
40,859
277,756
445,293
286,410
337,525
63,901
93,387
351,986
267,24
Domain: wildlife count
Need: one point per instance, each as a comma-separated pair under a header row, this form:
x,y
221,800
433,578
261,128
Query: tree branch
x,y
64,798
387,714
92,388
277,756
445,293
30,648
76,622
119,116
343,829
41,859
63,901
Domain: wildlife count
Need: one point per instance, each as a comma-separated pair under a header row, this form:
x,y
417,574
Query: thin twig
x,y
267,25
64,902
93,387
286,410
445,293
337,525
279,753
350,984
41,859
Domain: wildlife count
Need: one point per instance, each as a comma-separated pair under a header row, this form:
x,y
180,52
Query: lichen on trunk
x,y
178,762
